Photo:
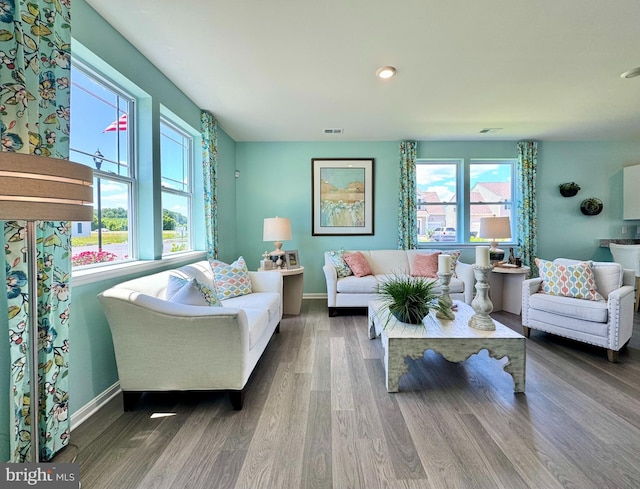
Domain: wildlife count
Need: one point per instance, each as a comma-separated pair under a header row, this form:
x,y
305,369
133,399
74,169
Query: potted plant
x,y
569,189
409,299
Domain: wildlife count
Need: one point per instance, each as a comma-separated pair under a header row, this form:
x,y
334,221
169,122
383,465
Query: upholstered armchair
x,y
604,317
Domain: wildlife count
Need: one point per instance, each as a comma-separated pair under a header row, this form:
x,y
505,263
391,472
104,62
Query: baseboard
x,y
316,295
86,411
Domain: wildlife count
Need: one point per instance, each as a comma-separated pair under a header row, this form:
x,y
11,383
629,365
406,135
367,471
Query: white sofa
x,y
608,323
166,346
356,292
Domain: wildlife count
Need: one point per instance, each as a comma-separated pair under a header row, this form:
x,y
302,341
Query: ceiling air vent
x,y
333,130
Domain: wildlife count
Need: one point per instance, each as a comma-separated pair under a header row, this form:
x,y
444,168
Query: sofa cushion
x,y
191,292
574,281
358,264
258,320
231,280
269,301
337,259
387,261
595,311
425,265
358,285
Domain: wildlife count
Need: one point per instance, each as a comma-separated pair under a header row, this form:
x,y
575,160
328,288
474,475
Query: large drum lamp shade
x,y
38,188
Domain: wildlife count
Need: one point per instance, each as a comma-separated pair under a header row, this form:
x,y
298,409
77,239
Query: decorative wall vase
x,y
569,189
591,206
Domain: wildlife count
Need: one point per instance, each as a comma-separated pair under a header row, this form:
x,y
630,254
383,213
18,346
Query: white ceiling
x,y
283,70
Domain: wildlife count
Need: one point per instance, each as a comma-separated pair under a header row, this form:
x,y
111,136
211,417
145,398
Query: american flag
x,y
119,125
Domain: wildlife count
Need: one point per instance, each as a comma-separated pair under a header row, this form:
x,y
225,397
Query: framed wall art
x,y
342,196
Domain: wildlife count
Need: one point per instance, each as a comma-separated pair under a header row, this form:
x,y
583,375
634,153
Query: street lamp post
x,y
98,158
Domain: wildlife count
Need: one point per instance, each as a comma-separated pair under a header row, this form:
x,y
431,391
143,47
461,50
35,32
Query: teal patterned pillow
x,y
337,258
192,292
231,280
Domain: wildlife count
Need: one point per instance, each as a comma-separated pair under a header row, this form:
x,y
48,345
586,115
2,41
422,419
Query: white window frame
x,y
170,122
463,198
131,179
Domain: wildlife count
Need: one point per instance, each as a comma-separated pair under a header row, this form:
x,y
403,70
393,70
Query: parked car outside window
x,y
444,234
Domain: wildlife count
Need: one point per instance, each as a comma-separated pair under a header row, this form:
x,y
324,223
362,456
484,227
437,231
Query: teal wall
x,y
597,167
275,179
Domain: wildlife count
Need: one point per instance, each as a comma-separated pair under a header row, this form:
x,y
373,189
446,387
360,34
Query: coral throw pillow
x,y
426,265
568,280
231,280
358,264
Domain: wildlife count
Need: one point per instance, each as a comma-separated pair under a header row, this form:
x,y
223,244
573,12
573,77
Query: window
x,y
453,195
101,137
176,169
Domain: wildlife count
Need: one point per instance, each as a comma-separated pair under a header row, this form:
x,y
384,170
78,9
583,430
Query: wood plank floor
x,y
317,415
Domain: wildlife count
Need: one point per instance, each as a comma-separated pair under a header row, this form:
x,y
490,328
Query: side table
x,y
292,287
506,288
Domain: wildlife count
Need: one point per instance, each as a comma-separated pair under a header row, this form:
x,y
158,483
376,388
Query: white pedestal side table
x,y
506,288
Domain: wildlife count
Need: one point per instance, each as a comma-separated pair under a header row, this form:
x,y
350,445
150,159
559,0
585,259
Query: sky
x,y
441,178
94,109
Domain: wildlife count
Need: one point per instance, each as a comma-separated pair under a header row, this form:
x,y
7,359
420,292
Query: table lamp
x,y
495,228
277,229
37,188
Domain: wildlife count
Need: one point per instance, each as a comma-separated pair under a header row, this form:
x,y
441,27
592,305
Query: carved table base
x,y
454,340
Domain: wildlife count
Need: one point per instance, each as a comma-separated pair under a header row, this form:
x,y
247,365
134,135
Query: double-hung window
x,y
101,137
454,194
176,156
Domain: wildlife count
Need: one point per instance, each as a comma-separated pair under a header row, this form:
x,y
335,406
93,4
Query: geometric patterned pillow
x,y
231,280
192,292
568,280
337,258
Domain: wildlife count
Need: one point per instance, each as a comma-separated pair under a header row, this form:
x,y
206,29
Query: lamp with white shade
x,y
277,229
37,188
495,228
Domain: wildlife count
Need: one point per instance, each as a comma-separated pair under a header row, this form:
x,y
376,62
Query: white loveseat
x,y
356,292
167,346
608,323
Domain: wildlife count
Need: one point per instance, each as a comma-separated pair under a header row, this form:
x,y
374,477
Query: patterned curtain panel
x,y
407,219
35,39
527,208
210,169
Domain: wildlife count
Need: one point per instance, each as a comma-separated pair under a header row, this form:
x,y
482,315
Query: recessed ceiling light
x,y
487,130
385,72
631,73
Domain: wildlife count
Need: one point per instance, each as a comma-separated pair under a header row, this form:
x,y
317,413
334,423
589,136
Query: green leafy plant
x,y
409,299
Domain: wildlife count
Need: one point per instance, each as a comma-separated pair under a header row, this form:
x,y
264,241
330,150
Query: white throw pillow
x,y
191,292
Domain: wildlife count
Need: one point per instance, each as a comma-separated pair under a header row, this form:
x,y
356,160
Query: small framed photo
x,y
291,259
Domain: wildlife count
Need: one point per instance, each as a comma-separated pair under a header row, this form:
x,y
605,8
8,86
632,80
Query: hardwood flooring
x,y
317,416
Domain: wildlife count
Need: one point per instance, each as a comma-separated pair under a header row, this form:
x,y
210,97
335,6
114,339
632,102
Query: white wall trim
x,y
89,409
315,295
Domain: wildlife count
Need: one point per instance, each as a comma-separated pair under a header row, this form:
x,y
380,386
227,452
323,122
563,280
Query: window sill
x,y
121,270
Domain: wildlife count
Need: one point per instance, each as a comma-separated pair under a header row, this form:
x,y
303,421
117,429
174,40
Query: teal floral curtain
x,y
407,223
527,221
210,170
35,39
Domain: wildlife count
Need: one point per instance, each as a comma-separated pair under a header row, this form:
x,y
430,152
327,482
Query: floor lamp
x,y
37,188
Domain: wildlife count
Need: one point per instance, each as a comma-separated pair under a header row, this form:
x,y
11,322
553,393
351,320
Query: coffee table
x,y
454,340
